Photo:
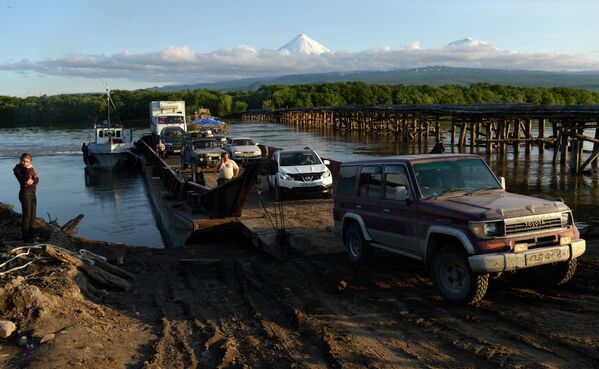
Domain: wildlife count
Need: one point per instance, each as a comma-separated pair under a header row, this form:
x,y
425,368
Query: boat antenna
x,y
107,87
109,102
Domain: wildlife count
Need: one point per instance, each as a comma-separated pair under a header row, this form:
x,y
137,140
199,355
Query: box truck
x,y
166,114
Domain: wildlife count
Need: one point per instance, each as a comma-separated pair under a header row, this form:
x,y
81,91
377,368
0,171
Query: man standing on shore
x,y
28,180
227,169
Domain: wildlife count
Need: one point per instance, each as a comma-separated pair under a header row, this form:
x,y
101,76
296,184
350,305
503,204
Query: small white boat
x,y
110,144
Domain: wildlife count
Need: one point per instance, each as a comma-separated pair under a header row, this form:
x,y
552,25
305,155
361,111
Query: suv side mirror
x,y
326,162
502,180
401,193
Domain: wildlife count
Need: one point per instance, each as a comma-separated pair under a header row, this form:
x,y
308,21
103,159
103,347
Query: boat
x,y
110,144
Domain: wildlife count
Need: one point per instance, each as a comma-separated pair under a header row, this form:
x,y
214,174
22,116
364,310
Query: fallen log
x,y
105,278
113,269
69,226
100,272
63,255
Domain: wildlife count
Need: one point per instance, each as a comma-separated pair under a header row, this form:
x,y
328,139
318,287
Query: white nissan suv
x,y
301,172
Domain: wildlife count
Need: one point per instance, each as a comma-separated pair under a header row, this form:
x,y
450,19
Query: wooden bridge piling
x,y
490,126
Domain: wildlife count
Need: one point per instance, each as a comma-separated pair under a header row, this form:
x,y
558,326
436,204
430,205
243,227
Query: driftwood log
x,y
101,273
70,226
105,278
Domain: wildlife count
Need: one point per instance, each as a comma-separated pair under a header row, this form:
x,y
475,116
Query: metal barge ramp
x,y
189,212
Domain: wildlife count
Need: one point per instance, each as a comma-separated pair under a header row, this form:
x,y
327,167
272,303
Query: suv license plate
x,y
543,257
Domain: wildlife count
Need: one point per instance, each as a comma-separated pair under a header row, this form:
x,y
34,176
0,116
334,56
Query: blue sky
x,y
51,47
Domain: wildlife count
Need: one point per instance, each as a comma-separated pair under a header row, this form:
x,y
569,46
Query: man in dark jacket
x,y
28,181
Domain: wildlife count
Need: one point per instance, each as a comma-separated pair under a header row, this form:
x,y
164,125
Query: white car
x,y
243,149
300,171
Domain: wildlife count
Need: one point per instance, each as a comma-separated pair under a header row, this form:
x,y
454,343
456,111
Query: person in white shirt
x,y
227,169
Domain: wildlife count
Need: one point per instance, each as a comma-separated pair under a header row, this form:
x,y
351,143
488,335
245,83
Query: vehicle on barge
x,y
203,152
243,149
300,172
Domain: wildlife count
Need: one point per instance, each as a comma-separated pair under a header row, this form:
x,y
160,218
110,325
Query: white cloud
x,y
415,45
177,54
181,64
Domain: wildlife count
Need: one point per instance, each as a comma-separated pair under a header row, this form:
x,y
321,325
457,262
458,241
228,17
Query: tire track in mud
x,y
211,310
393,342
241,328
346,342
503,339
278,319
548,321
172,348
311,337
500,343
320,311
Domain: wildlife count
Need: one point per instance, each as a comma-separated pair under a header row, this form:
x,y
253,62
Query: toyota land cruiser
x,y
452,213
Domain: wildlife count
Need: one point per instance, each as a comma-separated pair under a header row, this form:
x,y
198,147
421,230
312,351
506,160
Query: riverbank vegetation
x,y
133,105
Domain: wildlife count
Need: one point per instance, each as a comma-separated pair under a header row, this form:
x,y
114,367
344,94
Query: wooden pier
x,y
493,126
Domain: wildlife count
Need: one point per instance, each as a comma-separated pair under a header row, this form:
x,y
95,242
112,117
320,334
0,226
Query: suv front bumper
x,y
506,261
307,190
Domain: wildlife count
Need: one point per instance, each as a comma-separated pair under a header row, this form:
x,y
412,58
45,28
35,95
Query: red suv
x,y
452,213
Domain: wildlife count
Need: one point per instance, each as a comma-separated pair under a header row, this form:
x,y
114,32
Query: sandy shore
x,y
231,306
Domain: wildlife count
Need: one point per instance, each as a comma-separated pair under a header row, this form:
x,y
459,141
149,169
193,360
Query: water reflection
x,y
117,207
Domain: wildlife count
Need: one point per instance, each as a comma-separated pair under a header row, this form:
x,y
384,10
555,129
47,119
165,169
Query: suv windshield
x,y
204,144
456,176
298,158
242,142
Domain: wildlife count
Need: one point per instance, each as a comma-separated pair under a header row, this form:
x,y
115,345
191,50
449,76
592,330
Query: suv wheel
x,y
278,193
553,274
271,188
358,248
454,279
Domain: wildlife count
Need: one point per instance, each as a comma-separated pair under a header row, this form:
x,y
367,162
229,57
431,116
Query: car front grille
x,y
545,222
306,177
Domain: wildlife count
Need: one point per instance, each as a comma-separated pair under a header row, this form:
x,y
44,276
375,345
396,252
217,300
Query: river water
x,y
117,208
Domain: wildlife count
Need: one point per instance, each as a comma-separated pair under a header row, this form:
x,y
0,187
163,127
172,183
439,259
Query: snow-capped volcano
x,y
468,41
302,44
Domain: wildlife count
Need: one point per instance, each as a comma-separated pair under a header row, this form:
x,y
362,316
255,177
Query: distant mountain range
x,y
434,76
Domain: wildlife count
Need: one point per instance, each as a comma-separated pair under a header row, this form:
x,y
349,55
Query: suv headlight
x,y
285,176
566,219
486,229
326,174
237,153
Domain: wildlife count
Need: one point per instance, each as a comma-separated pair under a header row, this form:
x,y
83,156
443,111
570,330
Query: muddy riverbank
x,y
230,306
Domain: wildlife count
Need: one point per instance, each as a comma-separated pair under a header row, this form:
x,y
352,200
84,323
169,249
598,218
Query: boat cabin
x,y
112,133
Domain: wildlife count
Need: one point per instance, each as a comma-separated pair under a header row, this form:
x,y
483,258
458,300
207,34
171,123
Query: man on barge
x,y
227,169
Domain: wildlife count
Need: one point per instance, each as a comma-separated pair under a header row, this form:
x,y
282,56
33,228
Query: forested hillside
x,y
133,105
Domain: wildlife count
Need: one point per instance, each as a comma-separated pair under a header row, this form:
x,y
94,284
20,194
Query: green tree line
x,y
133,105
